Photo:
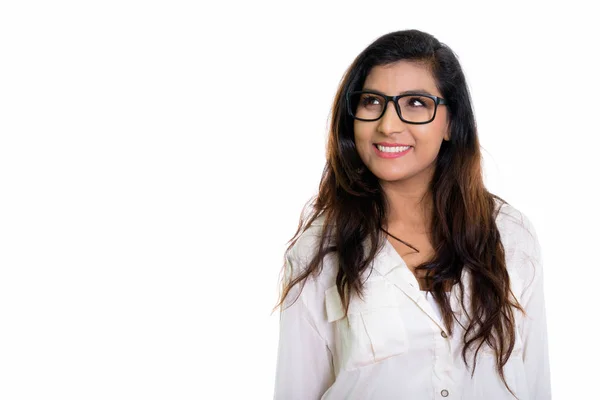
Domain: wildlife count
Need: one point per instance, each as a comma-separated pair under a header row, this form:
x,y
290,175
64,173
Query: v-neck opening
x,y
399,260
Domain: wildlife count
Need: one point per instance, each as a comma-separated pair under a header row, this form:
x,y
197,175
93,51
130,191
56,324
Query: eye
x,y
368,100
415,102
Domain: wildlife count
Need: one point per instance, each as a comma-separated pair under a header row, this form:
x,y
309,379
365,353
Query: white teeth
x,y
396,149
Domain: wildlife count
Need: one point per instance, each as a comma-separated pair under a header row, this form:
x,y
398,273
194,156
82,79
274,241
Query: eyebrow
x,y
412,91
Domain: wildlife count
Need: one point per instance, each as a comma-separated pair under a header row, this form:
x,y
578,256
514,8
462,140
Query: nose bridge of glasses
x,y
393,102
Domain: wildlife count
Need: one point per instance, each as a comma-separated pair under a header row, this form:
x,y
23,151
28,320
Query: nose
x,y
390,121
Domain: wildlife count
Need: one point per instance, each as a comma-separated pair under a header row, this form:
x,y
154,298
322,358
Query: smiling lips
x,y
391,150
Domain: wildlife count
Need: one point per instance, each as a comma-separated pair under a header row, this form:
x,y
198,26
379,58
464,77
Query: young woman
x,y
409,280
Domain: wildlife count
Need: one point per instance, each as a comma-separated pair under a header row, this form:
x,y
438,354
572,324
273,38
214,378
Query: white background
x,y
155,156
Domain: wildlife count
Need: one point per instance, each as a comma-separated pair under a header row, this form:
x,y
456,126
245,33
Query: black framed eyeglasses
x,y
412,108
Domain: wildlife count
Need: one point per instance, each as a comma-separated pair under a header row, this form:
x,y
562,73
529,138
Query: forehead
x,y
399,77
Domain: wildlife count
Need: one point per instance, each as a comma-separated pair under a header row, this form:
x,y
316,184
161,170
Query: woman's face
x,y
424,140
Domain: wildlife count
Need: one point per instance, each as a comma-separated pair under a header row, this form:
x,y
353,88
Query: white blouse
x,y
393,345
434,304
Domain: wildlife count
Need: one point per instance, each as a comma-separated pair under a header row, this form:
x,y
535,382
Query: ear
x,y
447,132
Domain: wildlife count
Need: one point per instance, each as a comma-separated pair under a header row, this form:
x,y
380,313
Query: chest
x,y
424,252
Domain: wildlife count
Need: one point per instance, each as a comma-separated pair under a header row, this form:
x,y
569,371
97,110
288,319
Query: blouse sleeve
x,y
534,329
304,362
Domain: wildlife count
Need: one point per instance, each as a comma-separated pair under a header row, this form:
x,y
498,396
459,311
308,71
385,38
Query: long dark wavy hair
x,y
463,229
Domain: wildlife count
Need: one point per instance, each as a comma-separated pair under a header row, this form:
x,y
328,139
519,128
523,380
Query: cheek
x,y
439,128
431,135
361,138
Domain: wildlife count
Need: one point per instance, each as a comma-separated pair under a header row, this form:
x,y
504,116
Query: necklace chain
x,y
400,240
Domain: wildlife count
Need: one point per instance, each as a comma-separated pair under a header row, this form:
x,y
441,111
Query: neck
x,y
410,206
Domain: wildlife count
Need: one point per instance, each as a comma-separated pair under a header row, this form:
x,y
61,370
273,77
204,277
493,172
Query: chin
x,y
391,177
397,175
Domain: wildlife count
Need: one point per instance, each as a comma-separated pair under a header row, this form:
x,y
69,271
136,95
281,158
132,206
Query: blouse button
x,y
444,393
443,334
